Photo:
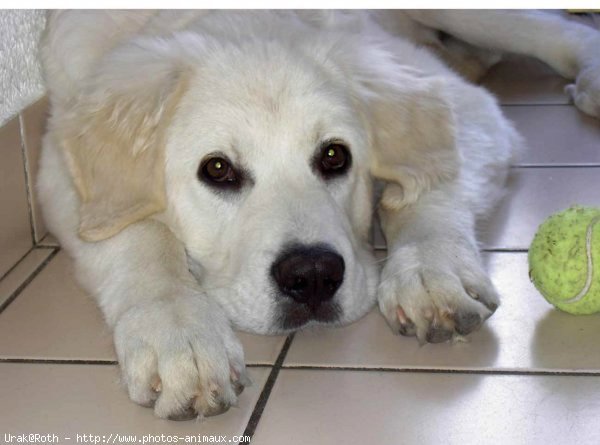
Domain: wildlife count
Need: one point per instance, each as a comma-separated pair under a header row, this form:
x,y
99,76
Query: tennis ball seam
x,y
590,266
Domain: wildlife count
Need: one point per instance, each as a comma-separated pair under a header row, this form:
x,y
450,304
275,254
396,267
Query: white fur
x,y
264,88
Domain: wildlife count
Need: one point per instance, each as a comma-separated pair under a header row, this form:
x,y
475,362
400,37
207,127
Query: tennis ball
x,y
564,260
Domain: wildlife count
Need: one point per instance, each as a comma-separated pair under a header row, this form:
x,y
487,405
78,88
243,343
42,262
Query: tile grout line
x,y
52,361
77,361
482,250
26,173
28,280
547,166
474,371
503,250
19,261
266,391
545,104
44,246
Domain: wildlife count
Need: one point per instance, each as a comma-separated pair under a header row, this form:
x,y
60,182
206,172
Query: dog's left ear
x,y
413,136
113,137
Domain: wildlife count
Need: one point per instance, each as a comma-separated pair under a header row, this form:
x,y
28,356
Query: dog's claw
x,y
467,322
438,334
188,414
407,327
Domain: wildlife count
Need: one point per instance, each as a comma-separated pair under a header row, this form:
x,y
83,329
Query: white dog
x,y
212,171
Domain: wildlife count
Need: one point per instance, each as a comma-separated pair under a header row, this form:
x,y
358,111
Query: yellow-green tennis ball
x,y
564,260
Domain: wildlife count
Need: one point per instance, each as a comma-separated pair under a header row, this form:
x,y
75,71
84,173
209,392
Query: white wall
x,y
20,79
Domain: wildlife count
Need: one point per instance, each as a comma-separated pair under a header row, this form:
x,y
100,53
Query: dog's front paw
x,y
585,92
180,356
435,291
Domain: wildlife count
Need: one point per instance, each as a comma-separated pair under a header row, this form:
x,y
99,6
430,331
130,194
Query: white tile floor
x,y
531,375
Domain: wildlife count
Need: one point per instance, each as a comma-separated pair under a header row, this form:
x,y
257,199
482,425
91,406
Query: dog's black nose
x,y
309,274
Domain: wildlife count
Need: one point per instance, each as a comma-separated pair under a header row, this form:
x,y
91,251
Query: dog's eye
x,y
218,171
334,159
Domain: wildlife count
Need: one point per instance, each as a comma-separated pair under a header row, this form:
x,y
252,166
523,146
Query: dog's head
x,y
258,155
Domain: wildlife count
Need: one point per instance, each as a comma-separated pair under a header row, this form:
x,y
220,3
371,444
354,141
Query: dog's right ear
x,y
113,137
411,124
414,139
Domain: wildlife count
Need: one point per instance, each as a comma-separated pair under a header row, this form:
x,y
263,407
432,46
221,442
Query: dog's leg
x,y
572,49
175,346
434,284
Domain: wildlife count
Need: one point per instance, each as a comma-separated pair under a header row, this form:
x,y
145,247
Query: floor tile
x,y
533,194
524,80
49,240
53,318
358,407
556,135
15,229
525,333
33,120
261,349
67,400
21,272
